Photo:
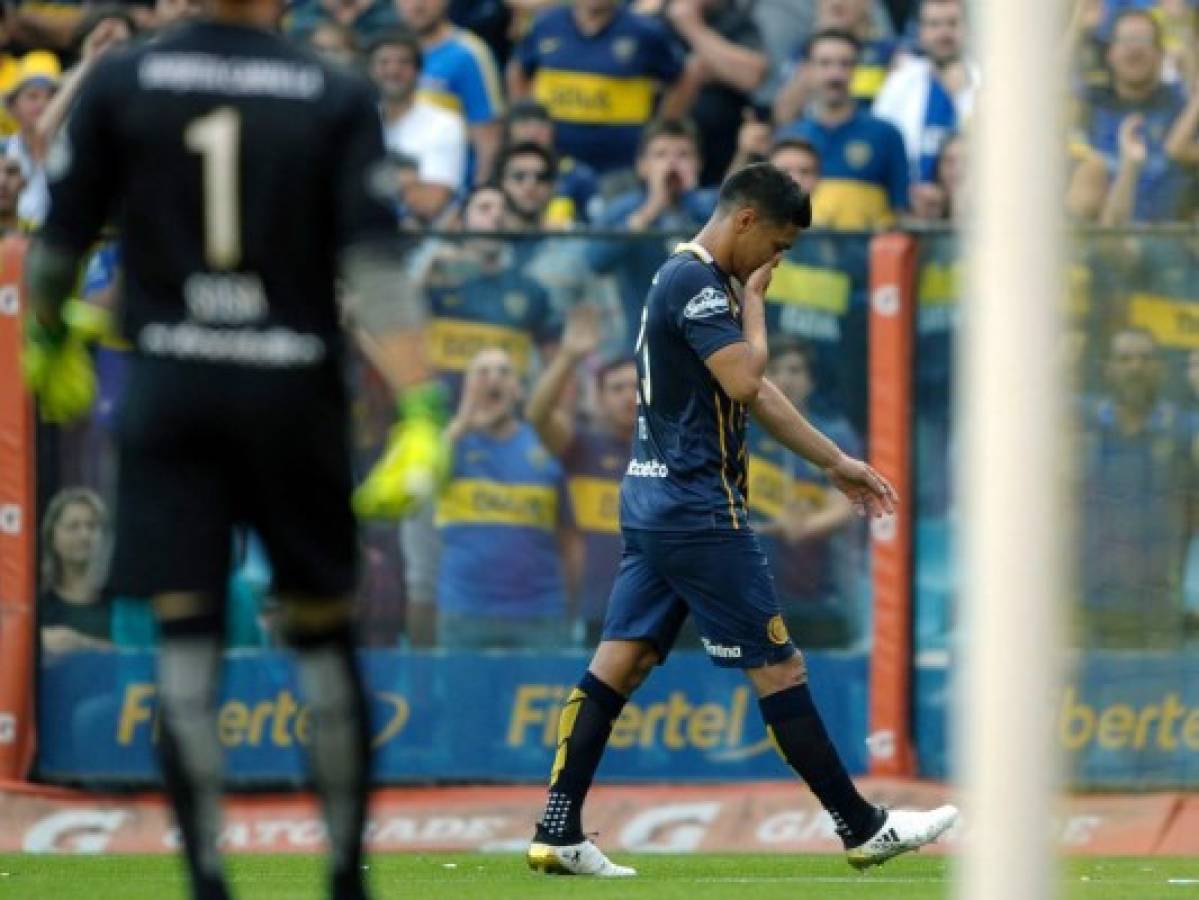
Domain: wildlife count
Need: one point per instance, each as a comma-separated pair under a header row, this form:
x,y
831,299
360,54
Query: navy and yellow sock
x,y
794,722
583,731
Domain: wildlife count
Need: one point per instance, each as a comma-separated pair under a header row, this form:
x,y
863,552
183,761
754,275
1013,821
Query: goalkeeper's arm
x,y
51,273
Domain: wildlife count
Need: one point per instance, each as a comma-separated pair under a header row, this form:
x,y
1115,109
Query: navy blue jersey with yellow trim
x,y
600,89
688,470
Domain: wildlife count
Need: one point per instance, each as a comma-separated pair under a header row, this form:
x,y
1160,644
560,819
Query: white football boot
x,y
902,831
583,858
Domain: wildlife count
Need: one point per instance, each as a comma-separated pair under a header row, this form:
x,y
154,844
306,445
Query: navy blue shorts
x,y
722,578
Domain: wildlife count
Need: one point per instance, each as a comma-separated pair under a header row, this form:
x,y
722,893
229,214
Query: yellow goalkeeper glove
x,y
415,462
58,370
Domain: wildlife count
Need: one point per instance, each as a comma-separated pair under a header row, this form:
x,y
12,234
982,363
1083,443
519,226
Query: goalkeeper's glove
x,y
415,462
58,369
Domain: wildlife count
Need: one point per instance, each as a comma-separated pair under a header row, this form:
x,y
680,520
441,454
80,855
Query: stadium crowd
x,y
545,156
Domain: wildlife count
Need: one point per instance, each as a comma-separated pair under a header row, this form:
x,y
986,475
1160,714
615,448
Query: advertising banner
x,y
1125,720
438,716
763,817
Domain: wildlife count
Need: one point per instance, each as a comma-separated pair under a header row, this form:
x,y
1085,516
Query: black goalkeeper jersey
x,y
236,167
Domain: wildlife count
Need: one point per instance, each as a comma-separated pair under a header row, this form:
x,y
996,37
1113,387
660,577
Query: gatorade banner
x,y
780,817
452,716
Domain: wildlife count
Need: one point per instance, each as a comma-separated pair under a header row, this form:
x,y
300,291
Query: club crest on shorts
x,y
776,630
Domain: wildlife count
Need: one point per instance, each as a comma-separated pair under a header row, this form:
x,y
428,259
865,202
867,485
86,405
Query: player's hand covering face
x,y
870,493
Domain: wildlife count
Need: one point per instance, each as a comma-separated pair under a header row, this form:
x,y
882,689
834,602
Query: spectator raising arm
x,y
107,34
727,62
516,79
554,425
485,138
793,97
469,416
1122,197
1181,143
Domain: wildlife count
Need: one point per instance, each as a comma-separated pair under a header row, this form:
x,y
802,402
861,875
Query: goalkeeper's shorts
x,y
205,447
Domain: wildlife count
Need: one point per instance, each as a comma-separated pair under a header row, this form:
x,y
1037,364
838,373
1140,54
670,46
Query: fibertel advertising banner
x,y
460,716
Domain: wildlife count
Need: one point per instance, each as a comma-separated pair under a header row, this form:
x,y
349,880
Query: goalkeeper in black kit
x,y
239,171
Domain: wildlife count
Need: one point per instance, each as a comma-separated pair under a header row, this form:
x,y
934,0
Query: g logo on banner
x,y
8,728
10,518
10,300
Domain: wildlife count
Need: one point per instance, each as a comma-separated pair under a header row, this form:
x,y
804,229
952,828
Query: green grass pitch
x,y
489,877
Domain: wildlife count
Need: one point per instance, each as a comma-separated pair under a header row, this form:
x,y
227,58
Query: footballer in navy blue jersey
x,y
688,548
687,470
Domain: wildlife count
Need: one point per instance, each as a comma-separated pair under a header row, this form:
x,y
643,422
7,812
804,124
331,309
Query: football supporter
x,y
864,181
72,612
600,70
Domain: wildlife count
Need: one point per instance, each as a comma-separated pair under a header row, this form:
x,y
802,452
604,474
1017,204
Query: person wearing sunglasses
x,y
526,174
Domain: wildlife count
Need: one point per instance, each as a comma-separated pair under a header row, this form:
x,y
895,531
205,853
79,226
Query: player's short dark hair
x,y
397,37
525,148
770,191
101,12
1145,15
832,34
795,144
609,365
672,128
781,345
527,109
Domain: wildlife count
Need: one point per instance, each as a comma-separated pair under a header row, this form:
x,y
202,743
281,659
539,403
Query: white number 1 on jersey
x,y
217,138
642,350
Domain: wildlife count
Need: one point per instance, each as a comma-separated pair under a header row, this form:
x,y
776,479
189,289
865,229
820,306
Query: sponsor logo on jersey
x,y
720,651
651,469
707,303
776,630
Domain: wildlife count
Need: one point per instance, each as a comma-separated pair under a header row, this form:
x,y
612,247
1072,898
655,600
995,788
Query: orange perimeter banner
x,y
892,314
17,525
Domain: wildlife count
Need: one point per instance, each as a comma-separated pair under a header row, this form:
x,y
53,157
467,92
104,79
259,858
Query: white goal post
x,y
1009,476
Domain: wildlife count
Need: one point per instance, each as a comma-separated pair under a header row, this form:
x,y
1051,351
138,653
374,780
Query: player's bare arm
x,y
740,367
869,491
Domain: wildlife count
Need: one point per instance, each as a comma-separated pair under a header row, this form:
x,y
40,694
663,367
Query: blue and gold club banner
x,y
1125,719
438,716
